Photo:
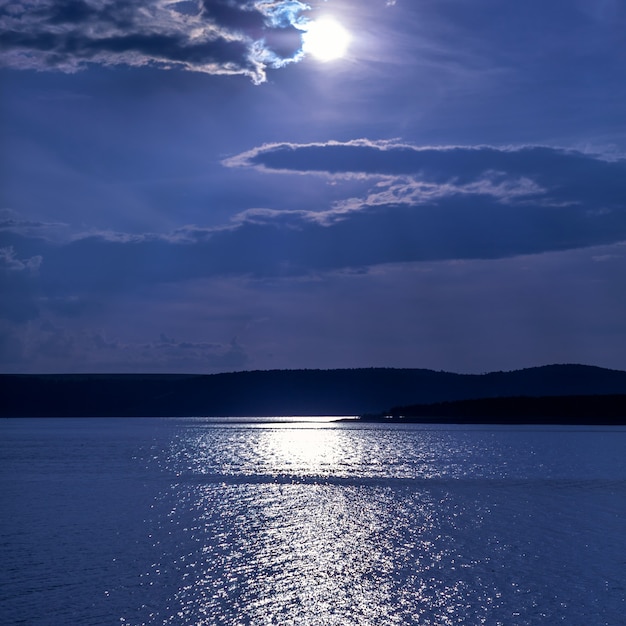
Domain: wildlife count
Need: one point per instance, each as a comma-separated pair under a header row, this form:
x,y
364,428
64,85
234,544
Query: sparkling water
x,y
236,522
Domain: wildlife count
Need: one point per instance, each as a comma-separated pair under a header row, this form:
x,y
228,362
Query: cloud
x,y
416,175
10,263
425,204
438,164
293,244
10,221
212,36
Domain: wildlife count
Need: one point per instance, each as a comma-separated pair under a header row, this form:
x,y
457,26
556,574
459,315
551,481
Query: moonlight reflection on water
x,y
308,554
288,532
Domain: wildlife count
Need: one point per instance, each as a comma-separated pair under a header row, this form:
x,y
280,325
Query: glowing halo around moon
x,y
325,39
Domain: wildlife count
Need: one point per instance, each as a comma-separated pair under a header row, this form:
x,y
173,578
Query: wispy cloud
x,y
11,263
408,174
394,158
11,222
212,36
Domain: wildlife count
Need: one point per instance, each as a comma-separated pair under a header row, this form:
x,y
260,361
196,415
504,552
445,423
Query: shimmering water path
x,y
168,522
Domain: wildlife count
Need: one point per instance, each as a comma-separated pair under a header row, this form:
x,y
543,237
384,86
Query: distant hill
x,y
286,392
595,409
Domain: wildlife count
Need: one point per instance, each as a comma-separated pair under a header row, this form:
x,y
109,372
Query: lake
x,y
255,521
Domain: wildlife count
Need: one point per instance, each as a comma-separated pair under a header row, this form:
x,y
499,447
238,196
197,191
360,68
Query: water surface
x,y
197,521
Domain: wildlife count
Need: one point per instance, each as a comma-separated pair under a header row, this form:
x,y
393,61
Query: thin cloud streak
x,y
363,157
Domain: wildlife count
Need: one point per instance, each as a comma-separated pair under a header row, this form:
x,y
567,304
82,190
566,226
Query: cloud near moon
x,y
210,36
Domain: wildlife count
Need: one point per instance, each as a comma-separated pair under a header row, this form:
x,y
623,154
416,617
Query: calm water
x,y
180,522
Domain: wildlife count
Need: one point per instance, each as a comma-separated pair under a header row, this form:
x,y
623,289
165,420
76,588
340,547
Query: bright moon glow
x,y
325,39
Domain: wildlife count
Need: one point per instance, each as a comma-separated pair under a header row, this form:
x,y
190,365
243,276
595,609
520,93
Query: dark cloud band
x,y
211,36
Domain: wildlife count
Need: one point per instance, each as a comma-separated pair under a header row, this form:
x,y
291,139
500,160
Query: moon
x,y
325,39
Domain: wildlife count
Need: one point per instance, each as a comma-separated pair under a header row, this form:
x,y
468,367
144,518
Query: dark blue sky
x,y
182,189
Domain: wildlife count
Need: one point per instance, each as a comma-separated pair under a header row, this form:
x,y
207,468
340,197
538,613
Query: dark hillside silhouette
x,y
286,392
590,410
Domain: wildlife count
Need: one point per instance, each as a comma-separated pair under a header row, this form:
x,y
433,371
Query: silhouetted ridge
x,y
286,392
593,409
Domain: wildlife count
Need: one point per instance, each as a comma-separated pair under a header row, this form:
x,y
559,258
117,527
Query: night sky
x,y
183,188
